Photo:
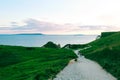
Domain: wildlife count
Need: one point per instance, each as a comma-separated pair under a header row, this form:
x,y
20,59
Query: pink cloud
x,y
36,26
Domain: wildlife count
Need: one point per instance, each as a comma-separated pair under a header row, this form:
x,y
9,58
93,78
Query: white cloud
x,y
36,26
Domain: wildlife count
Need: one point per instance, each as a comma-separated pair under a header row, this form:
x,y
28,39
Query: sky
x,y
59,16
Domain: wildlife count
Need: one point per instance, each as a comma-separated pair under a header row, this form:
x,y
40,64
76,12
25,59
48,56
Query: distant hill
x,y
31,34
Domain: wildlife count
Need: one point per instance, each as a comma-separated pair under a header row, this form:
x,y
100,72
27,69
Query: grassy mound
x,y
106,51
32,63
51,45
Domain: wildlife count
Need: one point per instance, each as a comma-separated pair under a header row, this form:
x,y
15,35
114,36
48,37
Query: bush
x,y
51,45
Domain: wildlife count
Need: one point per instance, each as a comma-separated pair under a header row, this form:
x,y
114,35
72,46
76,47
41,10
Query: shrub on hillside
x,y
51,45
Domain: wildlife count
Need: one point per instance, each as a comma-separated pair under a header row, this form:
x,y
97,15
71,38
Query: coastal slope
x,y
106,51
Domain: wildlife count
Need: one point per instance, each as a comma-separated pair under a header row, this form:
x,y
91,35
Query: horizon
x,y
59,17
45,34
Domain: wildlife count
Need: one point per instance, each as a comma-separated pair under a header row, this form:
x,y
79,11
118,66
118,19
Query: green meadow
x,y
32,63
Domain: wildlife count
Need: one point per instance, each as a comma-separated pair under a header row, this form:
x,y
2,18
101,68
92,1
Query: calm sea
x,y
40,40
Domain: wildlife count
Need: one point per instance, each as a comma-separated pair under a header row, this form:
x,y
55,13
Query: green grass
x,y
75,46
32,63
106,51
105,34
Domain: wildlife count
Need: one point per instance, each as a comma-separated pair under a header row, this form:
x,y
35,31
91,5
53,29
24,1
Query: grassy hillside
x,y
30,63
105,34
75,46
106,51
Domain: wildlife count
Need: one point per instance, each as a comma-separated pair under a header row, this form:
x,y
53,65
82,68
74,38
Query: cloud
x,y
97,27
94,29
100,27
4,28
36,26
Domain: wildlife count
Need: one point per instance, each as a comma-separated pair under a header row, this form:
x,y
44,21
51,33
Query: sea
x,y
40,40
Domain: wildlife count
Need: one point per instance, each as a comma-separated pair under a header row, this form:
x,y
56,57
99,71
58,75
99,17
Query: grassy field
x,y
106,51
32,63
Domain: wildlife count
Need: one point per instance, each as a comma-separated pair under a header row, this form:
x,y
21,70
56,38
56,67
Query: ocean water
x,y
40,40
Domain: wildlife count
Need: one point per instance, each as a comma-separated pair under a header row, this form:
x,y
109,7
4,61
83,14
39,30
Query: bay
x,y
40,40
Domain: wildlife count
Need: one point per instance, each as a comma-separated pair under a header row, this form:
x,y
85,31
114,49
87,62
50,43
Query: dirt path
x,y
84,69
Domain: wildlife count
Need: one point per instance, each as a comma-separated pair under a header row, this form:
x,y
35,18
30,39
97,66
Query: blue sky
x,y
80,16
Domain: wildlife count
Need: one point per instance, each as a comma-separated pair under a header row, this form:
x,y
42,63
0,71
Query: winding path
x,y
83,69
